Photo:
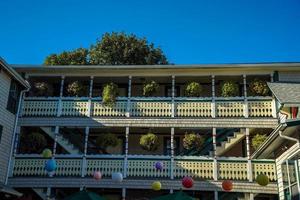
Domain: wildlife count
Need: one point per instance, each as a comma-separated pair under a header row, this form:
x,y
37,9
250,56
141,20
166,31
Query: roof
x,y
13,73
287,94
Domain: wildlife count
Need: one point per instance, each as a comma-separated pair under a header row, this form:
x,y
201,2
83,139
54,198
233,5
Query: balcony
x,y
236,107
141,166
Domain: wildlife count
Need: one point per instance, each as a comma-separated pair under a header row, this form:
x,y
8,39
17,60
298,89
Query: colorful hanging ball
x,y
187,182
262,180
47,153
117,177
227,185
50,165
156,185
97,175
159,165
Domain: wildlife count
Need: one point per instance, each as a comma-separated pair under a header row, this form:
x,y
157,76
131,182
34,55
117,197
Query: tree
x,y
125,49
75,57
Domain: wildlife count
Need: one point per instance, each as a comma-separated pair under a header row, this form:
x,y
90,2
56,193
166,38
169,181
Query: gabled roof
x,y
287,94
13,73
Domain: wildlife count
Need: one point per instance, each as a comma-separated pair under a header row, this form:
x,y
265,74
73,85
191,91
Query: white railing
x,y
153,107
144,166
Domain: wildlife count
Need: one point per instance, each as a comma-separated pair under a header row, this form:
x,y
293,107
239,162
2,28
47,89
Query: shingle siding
x,y
7,120
289,76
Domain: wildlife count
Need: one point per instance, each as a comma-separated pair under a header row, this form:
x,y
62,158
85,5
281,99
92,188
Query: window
x,y
1,129
168,91
13,97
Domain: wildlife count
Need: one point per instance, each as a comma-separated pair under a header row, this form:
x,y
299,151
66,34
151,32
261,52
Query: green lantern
x,y
47,153
262,180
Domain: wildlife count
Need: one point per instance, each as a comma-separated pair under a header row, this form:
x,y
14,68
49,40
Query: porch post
x,y
249,165
18,132
123,193
246,111
216,197
56,133
173,97
172,154
128,113
86,138
215,164
213,95
126,153
59,108
89,112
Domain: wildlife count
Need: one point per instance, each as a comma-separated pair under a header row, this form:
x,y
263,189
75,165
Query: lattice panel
x,y
39,108
197,169
193,109
75,108
268,169
232,170
146,168
106,167
230,109
151,109
260,108
119,109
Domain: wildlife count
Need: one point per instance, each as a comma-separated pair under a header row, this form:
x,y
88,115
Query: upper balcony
x,y
52,97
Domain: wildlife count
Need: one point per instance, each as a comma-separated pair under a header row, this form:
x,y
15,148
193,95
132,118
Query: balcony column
x,y
89,111
246,110
216,196
126,153
215,164
59,109
249,166
213,95
123,193
172,153
128,109
173,97
84,164
56,133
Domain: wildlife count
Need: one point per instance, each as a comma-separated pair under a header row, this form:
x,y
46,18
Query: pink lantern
x,y
97,175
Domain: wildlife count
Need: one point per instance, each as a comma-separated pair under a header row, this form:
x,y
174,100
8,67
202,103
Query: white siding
x,y
7,120
289,76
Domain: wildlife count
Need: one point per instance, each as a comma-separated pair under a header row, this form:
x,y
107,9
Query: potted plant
x,y
258,88
41,89
109,94
193,89
230,89
149,142
33,143
106,140
257,140
75,89
193,141
150,88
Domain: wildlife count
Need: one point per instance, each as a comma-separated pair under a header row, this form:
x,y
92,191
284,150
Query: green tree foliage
x,y
124,49
150,88
230,89
193,141
257,140
33,143
75,57
109,94
259,88
149,142
193,89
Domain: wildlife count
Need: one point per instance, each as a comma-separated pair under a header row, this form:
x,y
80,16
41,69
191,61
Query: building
x,y
12,86
65,111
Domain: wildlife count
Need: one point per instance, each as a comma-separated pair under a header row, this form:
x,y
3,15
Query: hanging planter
x,y
193,141
109,94
193,89
75,89
230,89
149,142
41,89
258,88
150,88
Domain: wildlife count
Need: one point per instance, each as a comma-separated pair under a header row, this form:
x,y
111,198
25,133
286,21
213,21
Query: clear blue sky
x,y
189,31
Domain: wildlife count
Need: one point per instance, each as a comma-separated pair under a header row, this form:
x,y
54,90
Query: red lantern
x,y
227,185
187,182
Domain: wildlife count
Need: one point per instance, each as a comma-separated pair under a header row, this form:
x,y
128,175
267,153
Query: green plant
x,y
257,140
193,89
230,89
109,94
75,89
107,140
259,88
149,142
193,141
41,88
150,88
32,143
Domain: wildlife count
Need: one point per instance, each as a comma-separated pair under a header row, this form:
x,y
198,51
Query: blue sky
x,y
189,31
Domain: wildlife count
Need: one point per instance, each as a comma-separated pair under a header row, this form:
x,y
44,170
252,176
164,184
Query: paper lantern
x,y
50,165
159,165
187,182
47,153
262,180
97,175
156,185
227,185
117,177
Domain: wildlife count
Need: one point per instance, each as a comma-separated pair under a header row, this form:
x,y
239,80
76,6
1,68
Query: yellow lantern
x,y
156,185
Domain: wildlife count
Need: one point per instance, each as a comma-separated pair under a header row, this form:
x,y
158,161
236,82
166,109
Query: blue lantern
x,y
50,165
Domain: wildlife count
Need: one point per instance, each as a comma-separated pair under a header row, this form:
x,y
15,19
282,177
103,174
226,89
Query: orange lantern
x,y
227,185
